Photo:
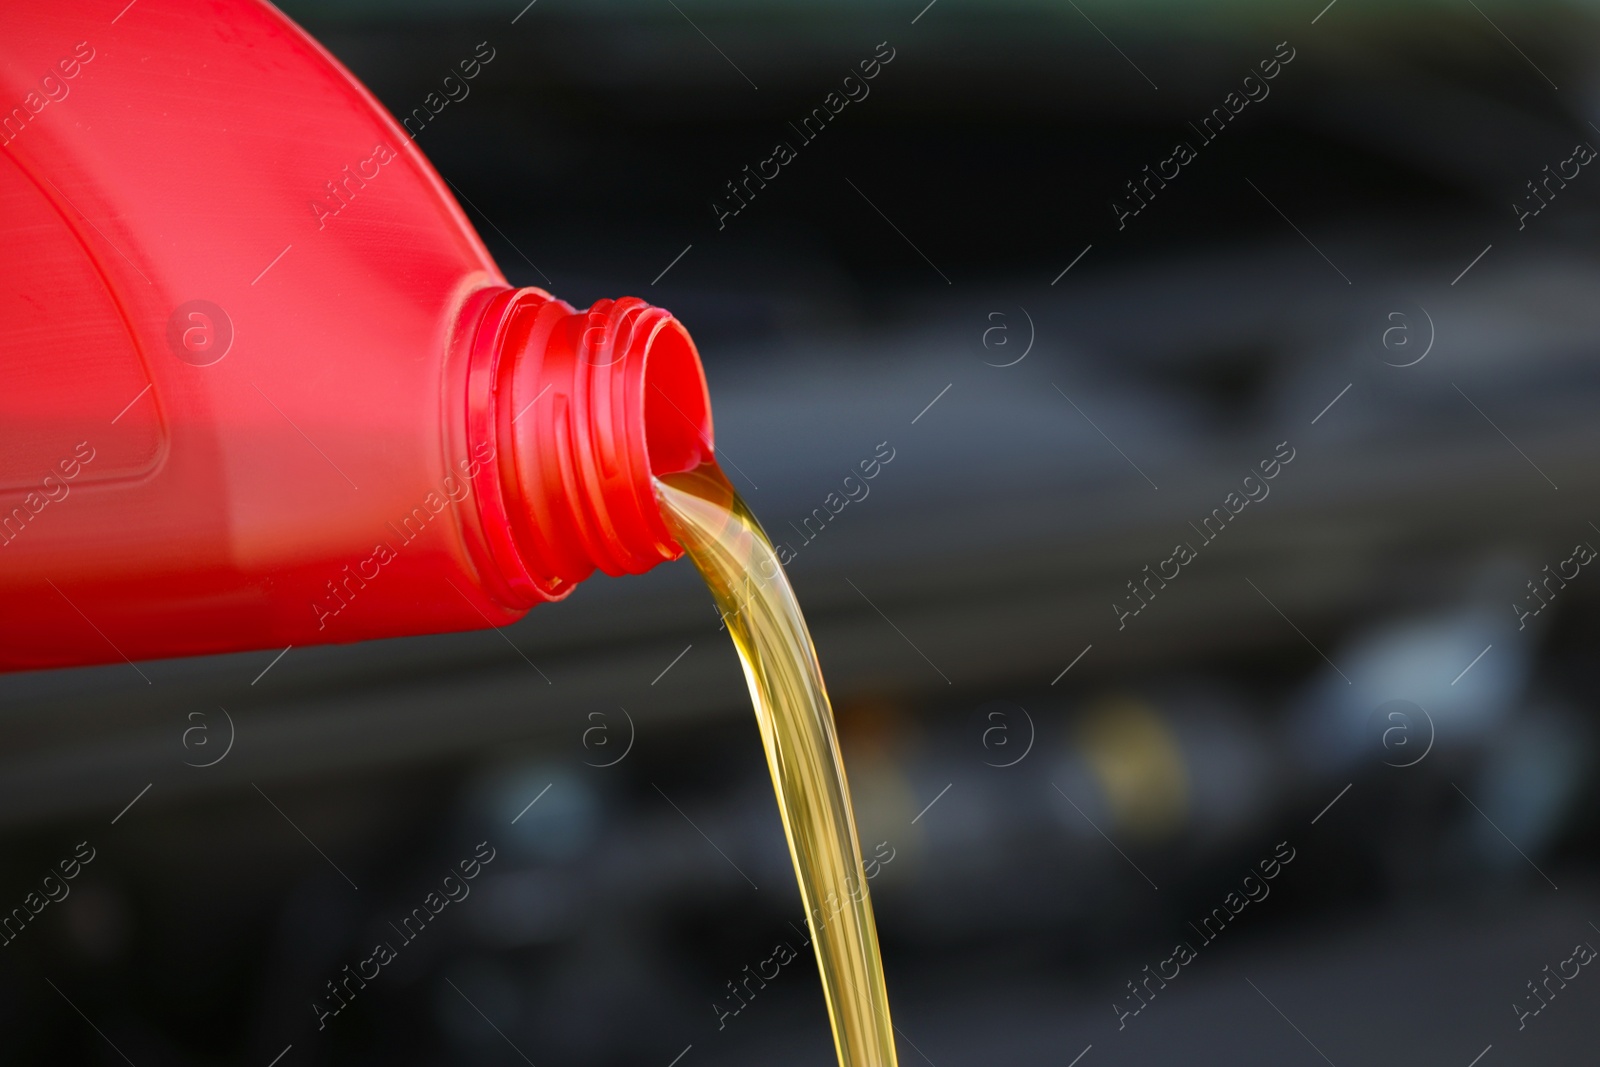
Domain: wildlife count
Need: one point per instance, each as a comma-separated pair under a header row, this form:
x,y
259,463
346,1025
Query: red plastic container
x,y
260,382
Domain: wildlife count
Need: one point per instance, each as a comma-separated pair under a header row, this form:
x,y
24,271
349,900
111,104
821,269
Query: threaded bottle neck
x,y
581,410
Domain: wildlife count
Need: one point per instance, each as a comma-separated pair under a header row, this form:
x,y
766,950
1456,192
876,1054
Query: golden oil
x,y
792,710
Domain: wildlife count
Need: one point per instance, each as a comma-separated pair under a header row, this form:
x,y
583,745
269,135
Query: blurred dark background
x,y
1352,674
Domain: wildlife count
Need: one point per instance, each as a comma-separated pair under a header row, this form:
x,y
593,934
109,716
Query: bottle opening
x,y
581,411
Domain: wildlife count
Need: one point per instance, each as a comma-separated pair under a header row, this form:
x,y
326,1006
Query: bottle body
x,y
257,370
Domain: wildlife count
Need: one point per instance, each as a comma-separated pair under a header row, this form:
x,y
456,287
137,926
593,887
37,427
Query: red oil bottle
x,y
260,382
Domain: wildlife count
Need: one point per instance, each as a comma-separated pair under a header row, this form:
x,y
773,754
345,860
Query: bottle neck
x,y
570,415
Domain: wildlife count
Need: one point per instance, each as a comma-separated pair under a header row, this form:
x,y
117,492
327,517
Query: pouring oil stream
x,y
738,563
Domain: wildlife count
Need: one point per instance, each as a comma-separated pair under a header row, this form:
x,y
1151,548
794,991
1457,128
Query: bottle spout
x,y
580,411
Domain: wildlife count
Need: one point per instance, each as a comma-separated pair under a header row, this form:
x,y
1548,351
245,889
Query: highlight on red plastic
x,y
295,402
